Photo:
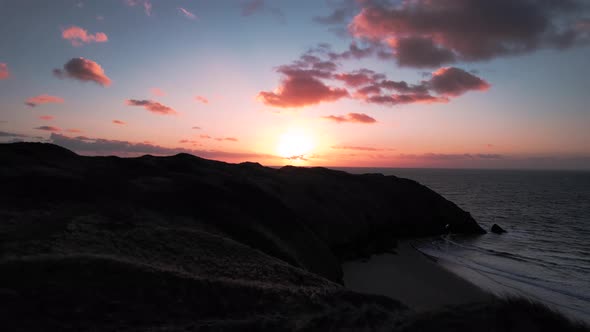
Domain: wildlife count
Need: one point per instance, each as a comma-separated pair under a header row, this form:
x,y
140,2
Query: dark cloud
x,y
451,156
450,81
7,134
399,99
48,128
83,70
152,106
430,33
421,52
351,117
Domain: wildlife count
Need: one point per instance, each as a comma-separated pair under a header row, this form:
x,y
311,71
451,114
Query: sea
x,y
545,254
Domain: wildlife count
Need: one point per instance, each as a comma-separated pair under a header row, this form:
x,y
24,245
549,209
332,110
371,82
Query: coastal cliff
x,y
185,243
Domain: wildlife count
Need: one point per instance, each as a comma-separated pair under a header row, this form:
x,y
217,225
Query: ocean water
x,y
544,256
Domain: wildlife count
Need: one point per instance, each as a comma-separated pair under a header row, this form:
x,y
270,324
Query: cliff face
x,y
184,237
309,217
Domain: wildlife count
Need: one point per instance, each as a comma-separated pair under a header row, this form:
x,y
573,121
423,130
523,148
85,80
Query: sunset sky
x,y
368,83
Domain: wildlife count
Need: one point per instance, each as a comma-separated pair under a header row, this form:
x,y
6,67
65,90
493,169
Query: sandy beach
x,y
412,278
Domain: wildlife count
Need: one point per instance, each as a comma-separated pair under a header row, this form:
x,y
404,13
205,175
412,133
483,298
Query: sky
x,y
365,83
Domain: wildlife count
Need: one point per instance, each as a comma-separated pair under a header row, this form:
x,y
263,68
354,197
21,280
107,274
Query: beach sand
x,y
412,278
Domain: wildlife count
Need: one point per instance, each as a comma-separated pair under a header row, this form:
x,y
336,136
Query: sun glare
x,y
295,144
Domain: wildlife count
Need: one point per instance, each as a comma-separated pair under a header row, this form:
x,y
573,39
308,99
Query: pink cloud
x,y
46,117
305,83
119,122
157,92
74,131
84,70
351,117
78,36
4,73
152,106
187,14
43,99
147,5
230,139
301,88
48,128
202,99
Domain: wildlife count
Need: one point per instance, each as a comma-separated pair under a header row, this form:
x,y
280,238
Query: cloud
x,y
451,156
152,106
230,139
157,92
202,99
351,117
4,73
78,36
48,128
74,131
146,4
309,81
46,117
250,7
301,85
342,12
198,128
426,33
359,77
359,148
300,91
8,134
205,136
100,146
450,81
84,70
420,52
43,99
187,14
397,99
119,122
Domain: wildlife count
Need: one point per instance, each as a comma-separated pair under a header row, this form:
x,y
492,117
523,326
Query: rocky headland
x,y
182,243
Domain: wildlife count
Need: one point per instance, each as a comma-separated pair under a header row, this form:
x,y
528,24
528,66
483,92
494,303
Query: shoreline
x,y
413,278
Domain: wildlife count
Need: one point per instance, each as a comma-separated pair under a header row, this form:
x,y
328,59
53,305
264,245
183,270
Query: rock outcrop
x,y
497,229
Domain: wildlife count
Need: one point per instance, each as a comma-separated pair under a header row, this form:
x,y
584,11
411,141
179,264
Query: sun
x,y
295,144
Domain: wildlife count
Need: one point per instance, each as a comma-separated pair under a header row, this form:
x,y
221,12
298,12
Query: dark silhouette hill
x,y
183,243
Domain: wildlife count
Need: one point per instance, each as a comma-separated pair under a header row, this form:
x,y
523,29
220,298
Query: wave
x,y
510,273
